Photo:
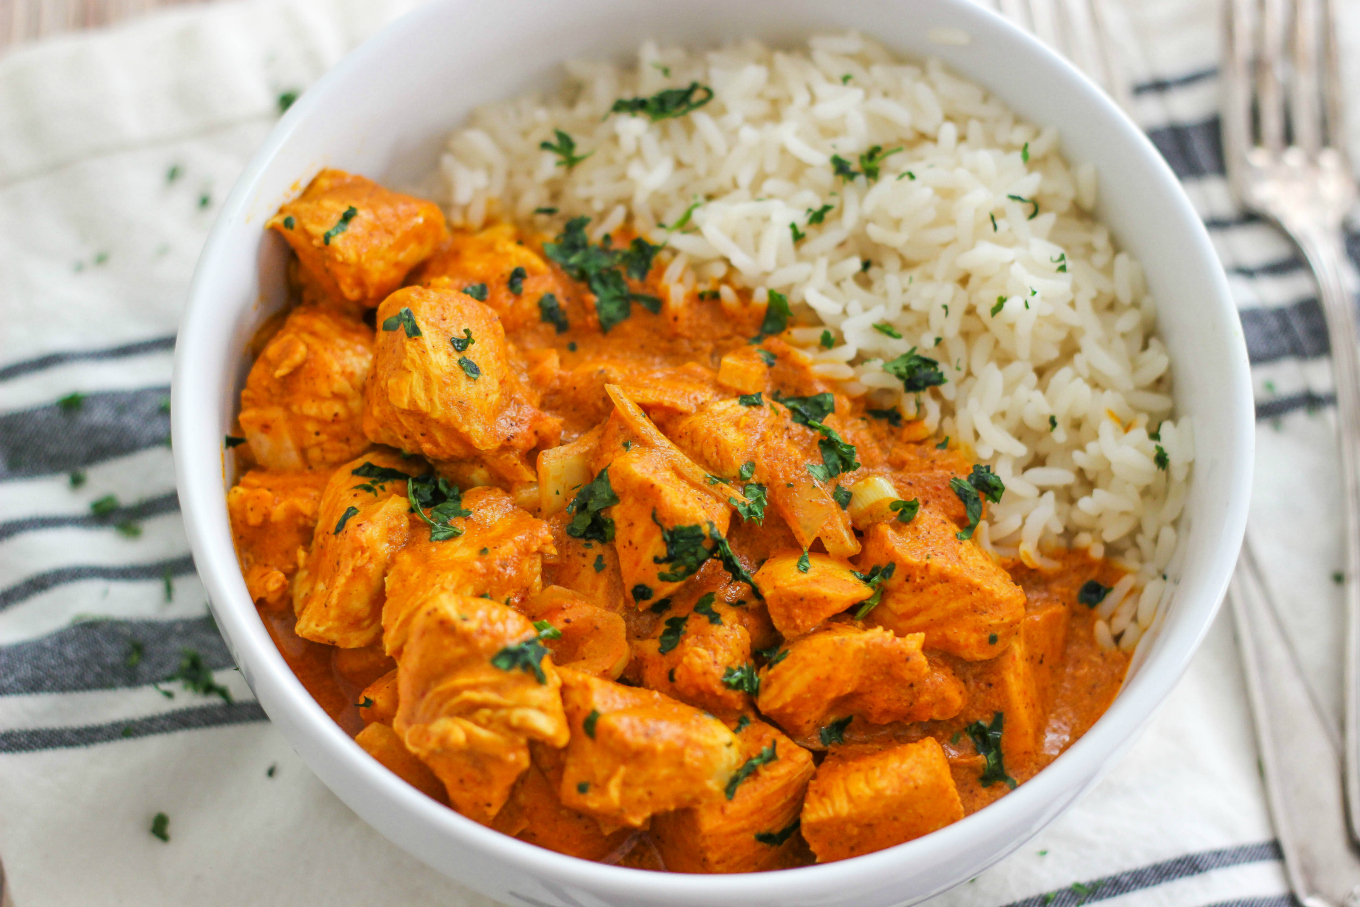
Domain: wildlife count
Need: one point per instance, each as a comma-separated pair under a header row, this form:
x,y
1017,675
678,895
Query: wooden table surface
x,y
28,20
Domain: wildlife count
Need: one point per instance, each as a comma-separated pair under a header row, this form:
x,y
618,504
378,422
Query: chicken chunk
x,y
385,745
635,752
805,503
588,567
701,655
356,238
362,522
1020,683
800,598
444,384
756,828
722,436
535,813
515,276
499,553
870,675
378,701
302,406
949,589
272,518
663,526
474,685
857,804
593,640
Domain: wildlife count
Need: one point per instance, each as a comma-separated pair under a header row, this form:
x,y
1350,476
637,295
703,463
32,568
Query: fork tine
x,y
1270,76
1334,135
1046,29
1305,108
1237,131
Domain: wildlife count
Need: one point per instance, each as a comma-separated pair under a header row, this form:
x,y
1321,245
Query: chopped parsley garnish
x,y
742,724
545,211
810,411
379,474
516,280
168,583
589,724
661,606
906,510
993,217
599,268
587,522
841,168
289,222
842,496
1061,262
365,703
582,787
887,330
773,655
477,291
135,651
444,502
1026,201
404,320
345,518
71,402
767,357
838,456
550,312
704,606
1092,593
709,295
816,217
998,305
76,478
173,173
160,827
748,768
1052,423
892,416
987,740
565,149
685,551
827,341
723,552
982,482
743,678
798,235
286,99
877,576
526,656
747,470
1161,459
916,372
804,562
680,223
104,506
752,510
871,161
751,399
992,638
547,630
667,104
197,676
835,731
461,344
670,637
943,445
776,838
340,226
776,316
469,368
642,593
599,563
1024,153
129,529
233,441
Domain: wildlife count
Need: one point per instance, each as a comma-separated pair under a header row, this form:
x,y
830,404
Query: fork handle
x,y
1337,283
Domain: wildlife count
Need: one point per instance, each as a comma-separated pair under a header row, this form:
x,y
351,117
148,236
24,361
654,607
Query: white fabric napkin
x,y
115,150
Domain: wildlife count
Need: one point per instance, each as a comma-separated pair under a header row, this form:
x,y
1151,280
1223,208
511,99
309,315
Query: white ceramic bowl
x,y
384,112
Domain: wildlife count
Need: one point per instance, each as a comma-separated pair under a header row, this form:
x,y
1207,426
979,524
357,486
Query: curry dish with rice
x,y
626,579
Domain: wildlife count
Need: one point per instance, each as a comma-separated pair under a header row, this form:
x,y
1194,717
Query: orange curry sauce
x,y
967,677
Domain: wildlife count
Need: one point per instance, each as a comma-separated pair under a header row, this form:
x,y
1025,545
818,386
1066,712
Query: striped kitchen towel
x,y
115,149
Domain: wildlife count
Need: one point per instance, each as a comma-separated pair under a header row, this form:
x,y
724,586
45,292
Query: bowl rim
x,y
200,473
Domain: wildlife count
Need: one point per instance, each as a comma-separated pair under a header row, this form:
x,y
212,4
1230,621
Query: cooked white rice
x,y
1059,390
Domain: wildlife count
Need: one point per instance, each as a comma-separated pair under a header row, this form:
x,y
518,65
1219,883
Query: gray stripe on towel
x,y
193,718
48,439
52,360
108,654
35,585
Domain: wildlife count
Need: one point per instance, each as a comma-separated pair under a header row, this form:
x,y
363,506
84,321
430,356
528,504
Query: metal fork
x,y
1282,136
